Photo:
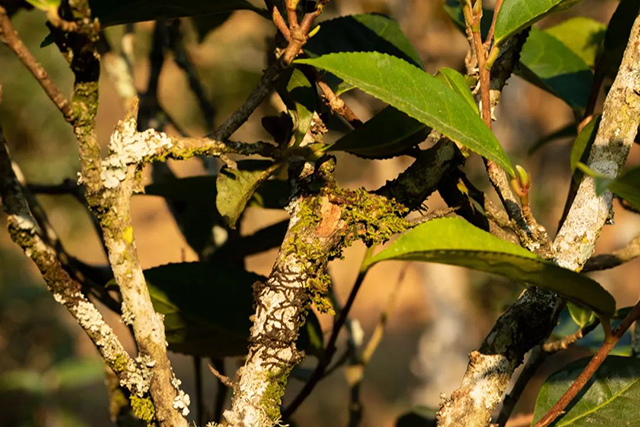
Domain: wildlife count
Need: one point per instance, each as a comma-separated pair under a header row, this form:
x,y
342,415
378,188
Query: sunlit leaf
x,y
546,62
236,187
610,398
584,36
417,94
514,15
456,242
360,33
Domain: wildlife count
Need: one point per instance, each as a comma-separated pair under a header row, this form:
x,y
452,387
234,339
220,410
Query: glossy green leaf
x,y
583,142
417,94
387,134
456,242
192,202
514,15
617,36
207,307
360,33
114,12
610,398
456,82
546,62
236,187
584,36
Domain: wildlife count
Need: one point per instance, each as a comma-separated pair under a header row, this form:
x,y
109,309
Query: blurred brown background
x,y
50,374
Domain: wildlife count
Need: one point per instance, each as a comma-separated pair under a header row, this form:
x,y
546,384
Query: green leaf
x,y
417,94
387,134
580,315
582,144
360,33
627,186
114,12
299,95
193,204
46,5
515,15
610,398
260,241
75,373
617,36
456,242
207,307
552,66
236,186
584,36
456,81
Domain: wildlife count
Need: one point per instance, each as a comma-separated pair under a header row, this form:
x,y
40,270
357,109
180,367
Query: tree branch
x,y
606,261
9,36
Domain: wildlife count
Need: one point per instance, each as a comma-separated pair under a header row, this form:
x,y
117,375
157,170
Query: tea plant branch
x,y
591,368
565,342
25,232
337,104
109,184
9,36
265,85
532,315
614,259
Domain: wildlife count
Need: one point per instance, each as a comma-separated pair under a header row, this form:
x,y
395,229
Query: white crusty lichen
x,y
182,402
128,147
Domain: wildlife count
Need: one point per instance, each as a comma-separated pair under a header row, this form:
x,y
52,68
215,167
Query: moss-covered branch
x,y
323,220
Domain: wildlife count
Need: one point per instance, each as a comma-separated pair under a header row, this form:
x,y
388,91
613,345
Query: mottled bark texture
x,y
323,219
25,232
529,321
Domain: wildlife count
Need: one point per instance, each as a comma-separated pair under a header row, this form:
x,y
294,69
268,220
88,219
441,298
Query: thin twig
x,y
197,373
221,392
223,378
337,104
536,359
9,36
590,369
567,341
614,259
